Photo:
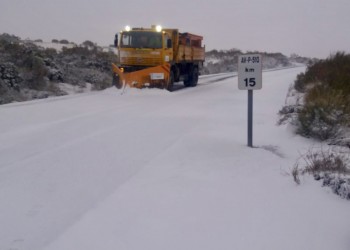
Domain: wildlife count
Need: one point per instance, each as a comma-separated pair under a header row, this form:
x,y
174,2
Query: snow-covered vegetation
x,y
29,71
322,95
226,60
318,106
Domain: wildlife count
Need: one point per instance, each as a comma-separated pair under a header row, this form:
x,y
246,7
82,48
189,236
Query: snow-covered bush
x,y
35,72
322,120
340,185
64,41
9,75
332,166
325,88
29,72
7,38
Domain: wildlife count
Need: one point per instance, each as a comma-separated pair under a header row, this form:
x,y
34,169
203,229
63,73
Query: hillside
x,y
226,60
28,71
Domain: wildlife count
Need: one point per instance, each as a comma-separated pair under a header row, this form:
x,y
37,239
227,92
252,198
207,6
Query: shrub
x,y
50,52
326,85
9,38
317,161
327,165
64,41
299,83
324,113
35,73
103,82
88,44
82,51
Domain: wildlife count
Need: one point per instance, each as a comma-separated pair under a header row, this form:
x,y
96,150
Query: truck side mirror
x,y
116,40
169,43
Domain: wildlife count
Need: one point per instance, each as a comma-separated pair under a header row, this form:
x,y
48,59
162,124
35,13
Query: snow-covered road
x,y
149,169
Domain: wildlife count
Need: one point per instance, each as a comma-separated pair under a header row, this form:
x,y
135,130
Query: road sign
x,y
250,78
250,72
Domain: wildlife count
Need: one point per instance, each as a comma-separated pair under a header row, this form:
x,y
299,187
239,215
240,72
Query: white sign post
x,y
250,78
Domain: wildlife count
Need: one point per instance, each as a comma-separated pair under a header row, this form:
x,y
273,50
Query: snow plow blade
x,y
157,76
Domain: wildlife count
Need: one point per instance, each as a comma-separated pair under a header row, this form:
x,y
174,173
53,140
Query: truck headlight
x,y
158,28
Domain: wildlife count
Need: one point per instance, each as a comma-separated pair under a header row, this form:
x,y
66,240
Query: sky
x,y
312,28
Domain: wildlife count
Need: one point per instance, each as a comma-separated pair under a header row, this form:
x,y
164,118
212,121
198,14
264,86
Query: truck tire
x,y
192,78
170,84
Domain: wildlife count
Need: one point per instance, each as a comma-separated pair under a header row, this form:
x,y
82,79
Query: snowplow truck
x,y
156,57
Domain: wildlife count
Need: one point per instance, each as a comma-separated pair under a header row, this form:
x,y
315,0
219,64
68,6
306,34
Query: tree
x,y
88,44
64,41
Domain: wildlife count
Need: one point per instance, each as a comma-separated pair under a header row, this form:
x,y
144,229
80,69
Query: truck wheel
x,y
170,84
192,78
195,75
116,81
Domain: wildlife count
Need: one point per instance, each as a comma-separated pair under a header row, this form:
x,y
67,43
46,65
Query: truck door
x,y
168,48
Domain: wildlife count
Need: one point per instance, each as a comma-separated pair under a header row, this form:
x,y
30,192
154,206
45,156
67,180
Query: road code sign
x,y
250,72
250,78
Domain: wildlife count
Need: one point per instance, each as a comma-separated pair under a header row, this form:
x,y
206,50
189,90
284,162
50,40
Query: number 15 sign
x,y
250,72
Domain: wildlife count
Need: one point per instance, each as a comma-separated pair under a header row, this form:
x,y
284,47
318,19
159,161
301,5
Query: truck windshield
x,y
141,39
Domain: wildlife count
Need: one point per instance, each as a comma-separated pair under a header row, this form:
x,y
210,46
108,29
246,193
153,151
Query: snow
x,y
57,46
74,89
149,169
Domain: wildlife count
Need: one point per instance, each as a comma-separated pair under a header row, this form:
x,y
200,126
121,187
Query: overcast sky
x,y
313,28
